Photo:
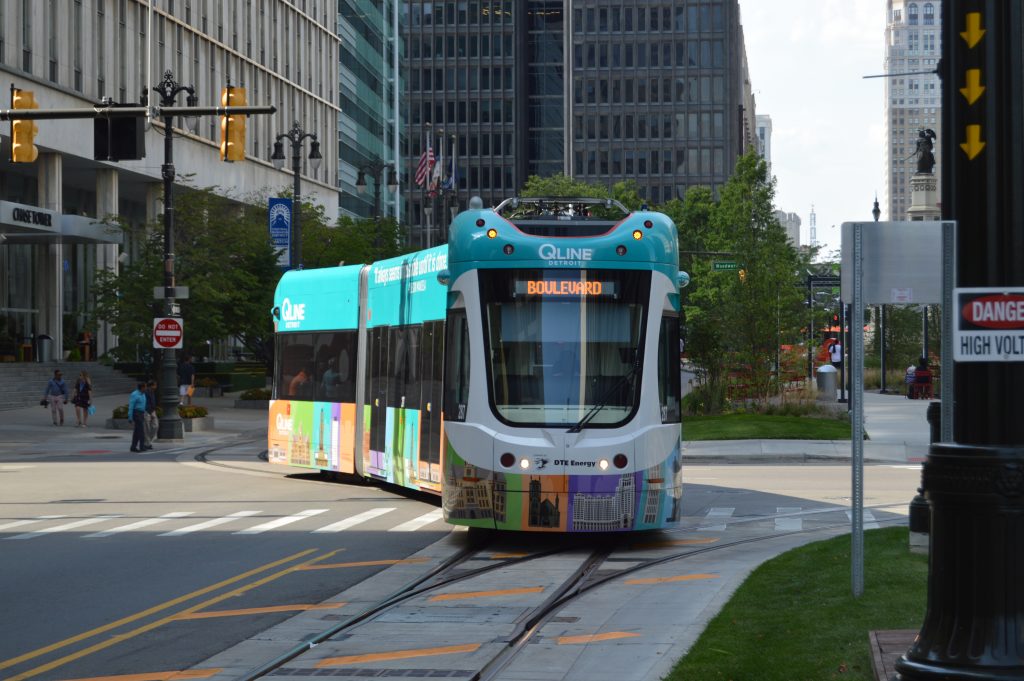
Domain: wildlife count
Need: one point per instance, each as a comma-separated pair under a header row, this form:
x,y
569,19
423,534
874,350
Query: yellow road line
x,y
396,655
677,578
594,638
149,611
118,638
258,611
481,594
499,556
674,542
364,563
157,676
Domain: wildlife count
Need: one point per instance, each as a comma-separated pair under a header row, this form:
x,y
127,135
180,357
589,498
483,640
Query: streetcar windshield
x,y
560,342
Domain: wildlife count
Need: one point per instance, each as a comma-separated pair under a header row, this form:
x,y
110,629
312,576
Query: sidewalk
x,y
30,430
897,430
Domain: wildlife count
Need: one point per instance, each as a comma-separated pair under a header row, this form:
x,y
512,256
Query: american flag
x,y
425,166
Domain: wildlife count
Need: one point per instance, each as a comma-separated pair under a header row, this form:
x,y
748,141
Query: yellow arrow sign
x,y
974,32
974,88
973,146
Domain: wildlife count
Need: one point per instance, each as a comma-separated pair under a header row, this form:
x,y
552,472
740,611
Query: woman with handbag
x,y
82,398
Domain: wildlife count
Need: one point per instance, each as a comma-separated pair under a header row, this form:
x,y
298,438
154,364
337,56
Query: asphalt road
x,y
159,564
129,549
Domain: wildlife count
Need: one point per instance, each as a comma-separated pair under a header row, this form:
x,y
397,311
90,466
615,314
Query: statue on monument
x,y
925,144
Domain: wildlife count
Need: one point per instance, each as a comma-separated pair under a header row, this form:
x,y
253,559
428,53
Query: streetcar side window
x,y
295,367
456,377
668,368
335,364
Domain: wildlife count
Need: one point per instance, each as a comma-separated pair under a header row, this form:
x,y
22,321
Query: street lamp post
x,y
375,169
171,427
295,136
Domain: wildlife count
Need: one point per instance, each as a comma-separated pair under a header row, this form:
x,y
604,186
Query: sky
x,y
807,60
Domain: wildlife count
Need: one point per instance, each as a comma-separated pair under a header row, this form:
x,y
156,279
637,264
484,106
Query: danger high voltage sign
x,y
989,325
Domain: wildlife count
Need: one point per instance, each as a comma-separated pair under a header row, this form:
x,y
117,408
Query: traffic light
x,y
232,126
23,131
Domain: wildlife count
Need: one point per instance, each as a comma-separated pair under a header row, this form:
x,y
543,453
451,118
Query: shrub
x,y
185,412
255,394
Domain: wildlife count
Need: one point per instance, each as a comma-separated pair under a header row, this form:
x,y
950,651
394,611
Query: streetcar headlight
x,y
509,249
524,463
620,249
508,459
620,460
491,233
637,234
603,464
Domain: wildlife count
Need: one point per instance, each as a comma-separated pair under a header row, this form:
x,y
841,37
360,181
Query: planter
x,y
211,391
252,404
197,425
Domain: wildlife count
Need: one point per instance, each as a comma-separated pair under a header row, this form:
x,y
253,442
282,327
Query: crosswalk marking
x,y
417,523
788,524
20,523
281,522
208,524
140,524
717,514
354,520
869,519
66,526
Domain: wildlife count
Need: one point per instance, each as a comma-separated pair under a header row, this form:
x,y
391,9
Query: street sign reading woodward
x,y
168,333
724,265
989,325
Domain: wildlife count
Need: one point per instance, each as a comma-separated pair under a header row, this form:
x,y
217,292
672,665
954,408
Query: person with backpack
x,y
137,416
56,395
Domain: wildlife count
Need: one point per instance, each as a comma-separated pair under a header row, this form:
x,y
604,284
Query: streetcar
x,y
527,371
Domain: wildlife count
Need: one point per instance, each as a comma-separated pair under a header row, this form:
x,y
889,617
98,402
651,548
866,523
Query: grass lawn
x,y
763,427
795,619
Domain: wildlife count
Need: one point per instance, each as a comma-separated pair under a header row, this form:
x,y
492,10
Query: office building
x,y
764,138
912,95
74,53
599,90
370,86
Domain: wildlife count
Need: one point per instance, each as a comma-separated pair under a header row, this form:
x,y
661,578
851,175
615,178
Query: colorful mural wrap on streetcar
x,y
643,500
312,434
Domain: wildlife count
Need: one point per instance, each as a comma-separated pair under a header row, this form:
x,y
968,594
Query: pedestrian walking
x,y
152,422
82,399
186,380
137,416
835,354
56,396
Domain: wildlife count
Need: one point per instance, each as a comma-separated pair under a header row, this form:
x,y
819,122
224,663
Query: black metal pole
x,y
842,356
296,201
924,333
170,424
974,620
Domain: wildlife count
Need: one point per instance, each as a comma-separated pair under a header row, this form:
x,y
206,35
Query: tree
x,y
738,320
222,254
626,192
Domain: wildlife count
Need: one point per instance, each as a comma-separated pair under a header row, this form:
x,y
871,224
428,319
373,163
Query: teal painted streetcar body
x,y
528,371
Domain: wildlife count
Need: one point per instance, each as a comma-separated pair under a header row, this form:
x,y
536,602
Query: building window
x,y
912,14
929,14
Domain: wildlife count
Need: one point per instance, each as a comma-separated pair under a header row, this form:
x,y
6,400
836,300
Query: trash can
x,y
827,377
44,348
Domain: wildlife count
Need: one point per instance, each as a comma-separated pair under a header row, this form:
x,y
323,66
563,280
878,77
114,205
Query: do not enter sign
x,y
167,333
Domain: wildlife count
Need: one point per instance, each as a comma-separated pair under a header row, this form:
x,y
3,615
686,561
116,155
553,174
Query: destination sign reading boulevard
x,y
990,325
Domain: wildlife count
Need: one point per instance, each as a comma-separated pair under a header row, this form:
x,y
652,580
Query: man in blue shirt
x,y
57,396
137,416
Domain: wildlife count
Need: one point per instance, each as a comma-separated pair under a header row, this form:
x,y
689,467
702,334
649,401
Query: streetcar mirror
x,y
443,277
276,312
683,279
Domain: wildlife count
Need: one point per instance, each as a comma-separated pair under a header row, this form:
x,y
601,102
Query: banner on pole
x,y
280,224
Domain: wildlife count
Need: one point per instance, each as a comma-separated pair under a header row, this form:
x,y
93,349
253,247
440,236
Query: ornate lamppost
x,y
295,136
375,169
171,427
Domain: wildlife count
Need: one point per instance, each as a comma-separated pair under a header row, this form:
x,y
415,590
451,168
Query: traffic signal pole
x,y
171,426
974,622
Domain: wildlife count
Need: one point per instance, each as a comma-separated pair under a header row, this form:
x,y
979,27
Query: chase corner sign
x,y
989,325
